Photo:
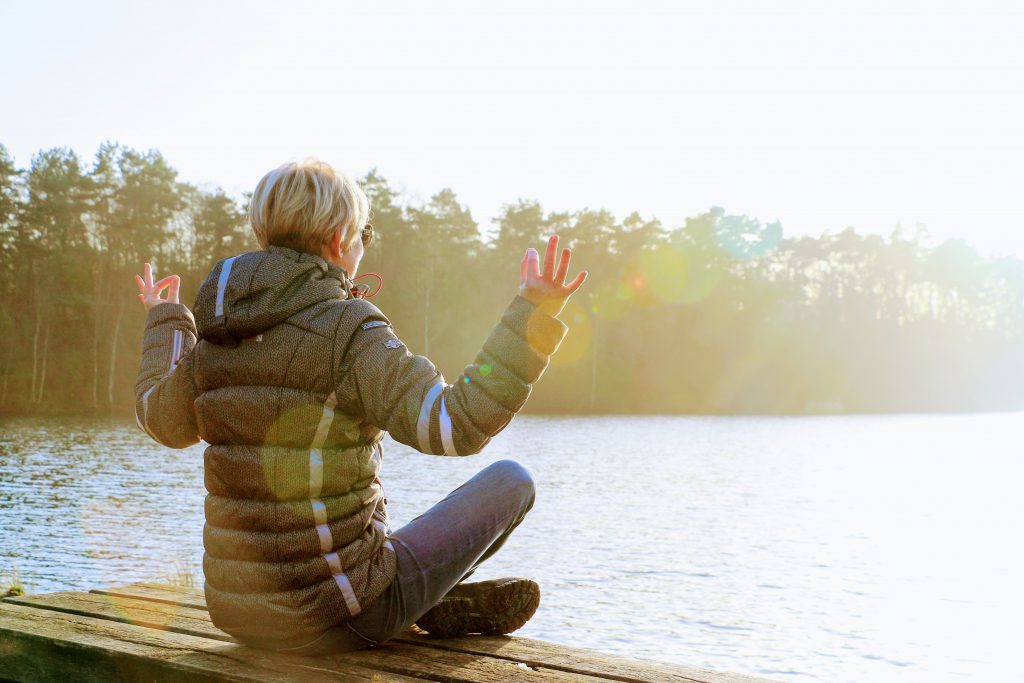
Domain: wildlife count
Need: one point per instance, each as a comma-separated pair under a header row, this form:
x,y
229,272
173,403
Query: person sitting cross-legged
x,y
292,377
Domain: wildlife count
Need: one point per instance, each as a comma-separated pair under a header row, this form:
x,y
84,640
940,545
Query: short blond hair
x,y
301,204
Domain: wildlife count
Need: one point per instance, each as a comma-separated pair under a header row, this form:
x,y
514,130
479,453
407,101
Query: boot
x,y
489,608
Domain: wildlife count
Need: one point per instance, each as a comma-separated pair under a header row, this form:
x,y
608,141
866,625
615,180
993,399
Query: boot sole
x,y
503,609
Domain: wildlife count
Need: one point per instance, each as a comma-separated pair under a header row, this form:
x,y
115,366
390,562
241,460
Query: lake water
x,y
801,549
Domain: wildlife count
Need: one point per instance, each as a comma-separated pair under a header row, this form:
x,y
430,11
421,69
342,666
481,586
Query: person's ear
x,y
336,249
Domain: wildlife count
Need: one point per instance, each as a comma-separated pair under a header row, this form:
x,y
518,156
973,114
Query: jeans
x,y
434,552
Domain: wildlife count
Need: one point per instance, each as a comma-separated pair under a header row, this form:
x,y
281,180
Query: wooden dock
x,y
155,632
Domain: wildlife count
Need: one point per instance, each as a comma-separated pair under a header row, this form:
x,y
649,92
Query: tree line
x,y
719,314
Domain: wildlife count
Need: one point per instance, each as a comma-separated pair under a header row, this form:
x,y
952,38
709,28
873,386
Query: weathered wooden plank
x,y
611,667
192,597
527,651
141,612
392,657
456,667
45,645
188,598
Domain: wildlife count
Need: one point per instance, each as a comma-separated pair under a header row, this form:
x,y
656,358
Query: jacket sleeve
x,y
164,389
405,395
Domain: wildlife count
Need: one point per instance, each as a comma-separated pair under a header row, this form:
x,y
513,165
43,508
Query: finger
x,y
163,284
140,283
563,267
148,270
172,293
575,284
533,267
522,266
549,258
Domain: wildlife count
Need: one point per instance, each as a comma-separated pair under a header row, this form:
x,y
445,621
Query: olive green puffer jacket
x,y
292,381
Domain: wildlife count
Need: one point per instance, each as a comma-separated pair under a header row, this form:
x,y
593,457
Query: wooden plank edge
x,y
615,667
186,600
391,658
44,645
651,672
39,601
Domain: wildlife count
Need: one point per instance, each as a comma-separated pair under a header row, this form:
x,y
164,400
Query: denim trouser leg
x,y
437,550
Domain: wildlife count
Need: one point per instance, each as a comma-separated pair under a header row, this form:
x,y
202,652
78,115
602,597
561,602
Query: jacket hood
x,y
248,294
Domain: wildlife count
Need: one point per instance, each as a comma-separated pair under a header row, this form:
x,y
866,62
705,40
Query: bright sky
x,y
818,114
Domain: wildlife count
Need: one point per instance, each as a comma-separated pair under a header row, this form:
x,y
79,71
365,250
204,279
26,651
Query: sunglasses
x,y
367,235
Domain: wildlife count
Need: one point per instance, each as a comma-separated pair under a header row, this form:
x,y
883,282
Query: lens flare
x,y
577,341
301,422
702,279
610,300
663,272
304,418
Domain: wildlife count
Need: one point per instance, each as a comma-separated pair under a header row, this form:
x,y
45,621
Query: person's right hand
x,y
547,290
149,292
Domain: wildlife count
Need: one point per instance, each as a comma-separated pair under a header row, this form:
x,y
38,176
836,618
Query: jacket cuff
x,y
170,312
543,332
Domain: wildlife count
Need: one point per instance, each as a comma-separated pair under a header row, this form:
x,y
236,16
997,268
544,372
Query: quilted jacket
x,y
292,379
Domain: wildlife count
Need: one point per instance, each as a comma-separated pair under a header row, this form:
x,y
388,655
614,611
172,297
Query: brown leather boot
x,y
490,608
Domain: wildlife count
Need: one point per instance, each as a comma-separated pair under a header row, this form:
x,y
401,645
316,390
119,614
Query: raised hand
x,y
547,288
149,293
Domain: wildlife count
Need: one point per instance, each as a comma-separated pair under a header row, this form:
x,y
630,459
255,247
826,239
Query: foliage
x,y
722,314
10,583
183,575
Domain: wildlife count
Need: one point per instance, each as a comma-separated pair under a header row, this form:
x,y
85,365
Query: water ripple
x,y
829,549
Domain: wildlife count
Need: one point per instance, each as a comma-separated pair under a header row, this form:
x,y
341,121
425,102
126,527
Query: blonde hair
x,y
301,204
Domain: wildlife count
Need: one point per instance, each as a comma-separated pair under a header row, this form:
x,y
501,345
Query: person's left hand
x,y
548,289
149,293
